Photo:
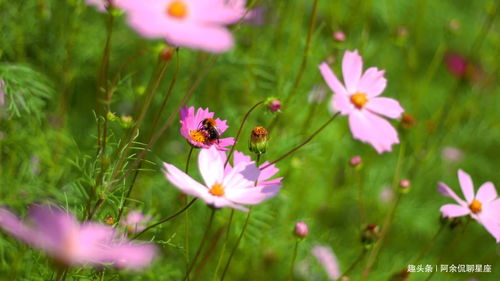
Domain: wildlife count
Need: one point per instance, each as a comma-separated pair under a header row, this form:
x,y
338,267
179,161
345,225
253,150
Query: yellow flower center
x,y
475,206
217,190
197,136
177,9
359,100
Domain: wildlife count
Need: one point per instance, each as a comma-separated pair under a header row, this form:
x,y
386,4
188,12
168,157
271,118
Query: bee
x,y
208,126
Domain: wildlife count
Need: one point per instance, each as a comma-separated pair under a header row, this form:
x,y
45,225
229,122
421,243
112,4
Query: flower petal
x,y
131,255
341,96
385,106
486,193
185,183
372,82
492,225
446,191
211,166
352,65
252,195
466,185
12,225
453,210
369,127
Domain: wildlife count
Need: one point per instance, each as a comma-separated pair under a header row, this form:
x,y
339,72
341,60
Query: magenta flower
x,y
135,221
484,206
60,235
360,100
456,64
232,188
186,23
200,135
328,260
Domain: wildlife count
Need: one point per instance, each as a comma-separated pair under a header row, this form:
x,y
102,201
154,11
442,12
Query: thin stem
x,y
186,215
186,170
355,263
235,247
61,274
240,129
429,245
303,143
294,257
129,191
203,240
228,230
389,218
362,217
166,219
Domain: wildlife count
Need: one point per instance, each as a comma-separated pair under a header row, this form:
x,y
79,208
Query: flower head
x,y
231,187
62,237
339,36
266,171
301,230
484,206
135,221
359,99
328,260
186,23
202,130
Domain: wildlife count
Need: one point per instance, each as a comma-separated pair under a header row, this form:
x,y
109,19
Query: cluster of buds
x,y
258,140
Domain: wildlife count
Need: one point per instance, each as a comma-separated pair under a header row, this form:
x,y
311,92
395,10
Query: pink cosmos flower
x,y
200,135
484,206
62,237
360,100
135,221
328,260
187,23
266,171
230,188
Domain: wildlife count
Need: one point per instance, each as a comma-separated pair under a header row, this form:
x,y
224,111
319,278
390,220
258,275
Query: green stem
x,y
355,263
294,257
202,244
303,143
166,219
186,214
222,251
429,245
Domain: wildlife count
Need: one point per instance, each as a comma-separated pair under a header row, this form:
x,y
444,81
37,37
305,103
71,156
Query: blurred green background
x,y
50,54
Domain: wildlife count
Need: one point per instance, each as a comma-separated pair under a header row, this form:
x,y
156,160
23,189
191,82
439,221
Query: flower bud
x,y
339,36
273,105
407,121
370,235
404,186
167,53
258,140
356,161
301,230
109,220
126,121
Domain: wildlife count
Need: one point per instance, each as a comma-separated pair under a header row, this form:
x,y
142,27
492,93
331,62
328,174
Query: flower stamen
x,y
198,136
217,190
177,9
475,207
359,100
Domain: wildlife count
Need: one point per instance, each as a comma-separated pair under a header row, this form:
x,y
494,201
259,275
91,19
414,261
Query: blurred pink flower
x,y
62,237
456,64
135,221
99,4
328,260
484,206
186,23
193,130
452,154
360,100
339,36
222,188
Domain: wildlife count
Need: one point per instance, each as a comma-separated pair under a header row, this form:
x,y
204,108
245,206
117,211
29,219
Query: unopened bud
x,y
407,121
404,185
258,140
370,235
109,220
273,105
339,36
301,230
356,161
167,53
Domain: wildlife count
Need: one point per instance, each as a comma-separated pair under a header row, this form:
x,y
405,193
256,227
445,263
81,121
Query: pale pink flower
x,y
186,23
61,236
452,154
328,260
135,221
100,5
484,206
339,36
266,171
196,134
222,189
360,100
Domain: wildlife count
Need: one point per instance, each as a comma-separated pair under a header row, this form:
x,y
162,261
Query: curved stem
x,y
294,257
429,245
202,243
303,143
228,230
166,219
355,263
235,247
186,215
239,131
